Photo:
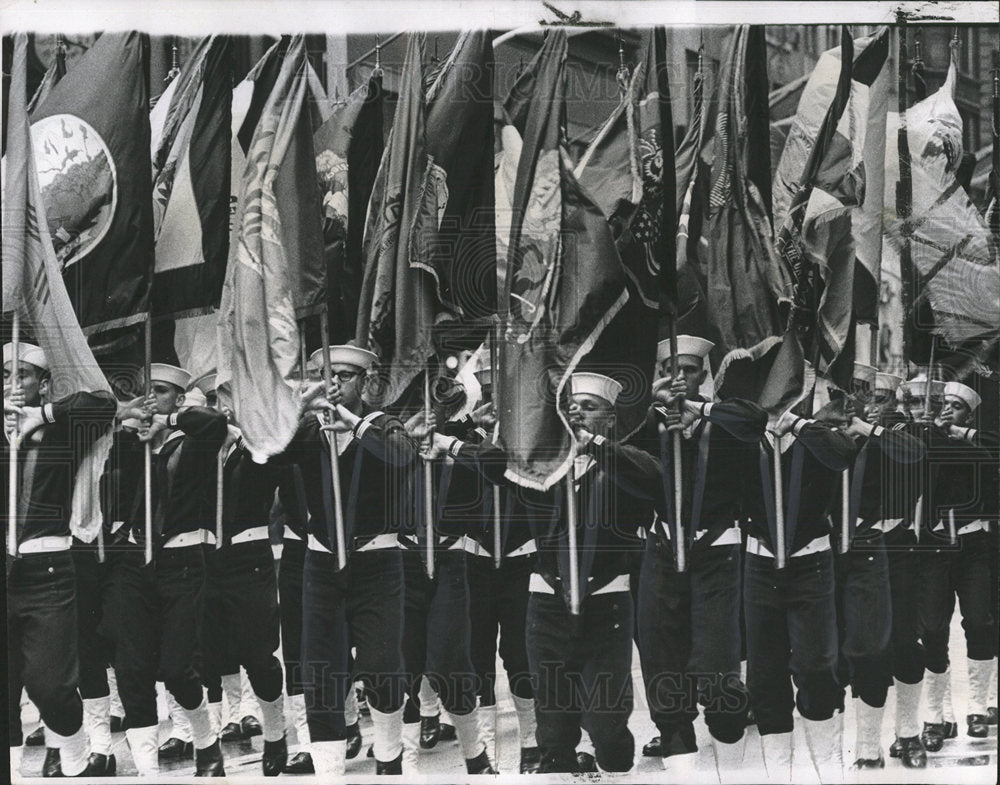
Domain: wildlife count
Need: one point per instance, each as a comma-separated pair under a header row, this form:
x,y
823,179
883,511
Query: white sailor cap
x,y
690,345
484,376
865,373
887,381
162,372
967,395
28,353
346,355
917,387
595,384
195,397
205,383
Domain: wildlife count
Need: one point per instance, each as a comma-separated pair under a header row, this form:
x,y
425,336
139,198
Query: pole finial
x,y
377,71
175,65
623,73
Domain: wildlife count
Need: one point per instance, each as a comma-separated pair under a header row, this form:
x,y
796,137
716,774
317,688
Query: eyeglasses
x,y
346,376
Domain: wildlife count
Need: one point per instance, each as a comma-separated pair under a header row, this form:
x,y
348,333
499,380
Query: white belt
x,y
538,584
315,545
458,545
380,542
758,548
730,536
251,535
187,539
291,535
50,544
887,525
528,548
473,547
976,526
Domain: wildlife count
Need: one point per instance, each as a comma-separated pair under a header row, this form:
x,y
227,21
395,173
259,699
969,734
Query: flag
x,y
348,149
564,284
191,181
454,232
33,286
275,254
53,74
630,170
91,138
829,194
397,303
954,265
734,260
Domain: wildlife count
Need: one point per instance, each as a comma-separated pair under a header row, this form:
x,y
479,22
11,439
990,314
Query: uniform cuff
x,y
172,419
454,446
800,423
48,415
361,427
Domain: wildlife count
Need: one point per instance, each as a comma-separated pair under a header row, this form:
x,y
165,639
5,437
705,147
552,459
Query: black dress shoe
x,y
681,742
585,763
250,727
479,764
275,757
117,724
430,732
52,766
300,763
950,730
910,751
531,759
554,763
231,732
208,762
175,749
36,738
101,765
448,732
371,752
979,725
933,736
870,763
991,715
652,748
353,741
390,767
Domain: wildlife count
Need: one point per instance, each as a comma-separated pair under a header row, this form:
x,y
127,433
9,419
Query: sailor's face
x,y
33,382
349,378
591,413
169,397
691,369
955,411
879,405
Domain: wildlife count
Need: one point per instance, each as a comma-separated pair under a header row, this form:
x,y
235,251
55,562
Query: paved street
x,y
962,760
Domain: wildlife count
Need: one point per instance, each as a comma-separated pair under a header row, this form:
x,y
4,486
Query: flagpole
x,y
338,507
680,543
148,464
995,173
428,483
15,368
845,501
220,465
497,520
779,507
571,516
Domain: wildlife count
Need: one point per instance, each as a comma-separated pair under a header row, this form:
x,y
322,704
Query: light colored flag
x,y
33,286
258,329
950,240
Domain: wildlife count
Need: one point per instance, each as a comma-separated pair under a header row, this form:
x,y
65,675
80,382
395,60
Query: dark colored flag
x,y
348,149
565,283
733,256
191,183
397,304
92,140
53,74
454,234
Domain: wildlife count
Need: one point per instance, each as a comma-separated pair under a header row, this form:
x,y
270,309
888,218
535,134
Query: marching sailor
x,y
41,586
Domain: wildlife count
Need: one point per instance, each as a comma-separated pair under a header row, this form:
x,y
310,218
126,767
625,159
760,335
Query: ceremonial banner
x,y
33,287
191,182
565,283
397,304
53,74
258,329
91,139
955,268
348,149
